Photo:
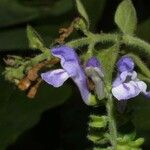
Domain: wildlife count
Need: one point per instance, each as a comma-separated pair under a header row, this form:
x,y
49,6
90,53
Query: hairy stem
x,y
112,123
137,43
95,38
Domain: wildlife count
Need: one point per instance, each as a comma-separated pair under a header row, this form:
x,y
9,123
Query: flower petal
x,y
55,77
121,78
124,77
143,87
93,62
82,85
93,73
126,90
71,64
69,59
125,64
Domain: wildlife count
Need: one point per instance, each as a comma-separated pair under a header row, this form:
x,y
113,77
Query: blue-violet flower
x,y
95,72
127,85
71,68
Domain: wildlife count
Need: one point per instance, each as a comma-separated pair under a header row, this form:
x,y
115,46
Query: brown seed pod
x,y
24,84
32,75
33,90
33,72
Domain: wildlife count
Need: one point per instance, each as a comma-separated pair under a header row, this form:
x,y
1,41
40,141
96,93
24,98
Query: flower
x,y
127,85
71,69
95,72
125,64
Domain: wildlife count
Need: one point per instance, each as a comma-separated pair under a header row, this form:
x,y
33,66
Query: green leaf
x,y
35,41
95,9
16,39
127,137
125,17
98,121
14,12
18,113
82,11
60,7
108,66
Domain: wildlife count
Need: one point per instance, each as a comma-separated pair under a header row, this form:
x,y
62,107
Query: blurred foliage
x,y
144,30
17,113
46,19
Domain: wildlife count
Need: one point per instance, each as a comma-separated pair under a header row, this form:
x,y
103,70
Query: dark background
x,y
56,118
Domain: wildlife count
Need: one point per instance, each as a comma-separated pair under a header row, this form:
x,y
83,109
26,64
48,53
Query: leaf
x,y
60,7
98,121
12,39
95,9
18,113
14,13
11,13
16,39
108,66
125,17
35,41
82,12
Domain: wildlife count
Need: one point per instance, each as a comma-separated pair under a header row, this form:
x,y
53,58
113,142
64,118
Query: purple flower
x,y
95,72
125,64
71,69
127,85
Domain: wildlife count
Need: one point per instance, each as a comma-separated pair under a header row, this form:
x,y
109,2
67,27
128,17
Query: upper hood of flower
x,y
93,62
125,64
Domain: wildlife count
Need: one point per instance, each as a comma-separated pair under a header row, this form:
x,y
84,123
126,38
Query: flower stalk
x,y
136,43
112,121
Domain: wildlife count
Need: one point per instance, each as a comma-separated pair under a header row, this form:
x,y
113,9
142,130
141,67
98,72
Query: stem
x,y
95,38
90,49
39,58
112,124
137,43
